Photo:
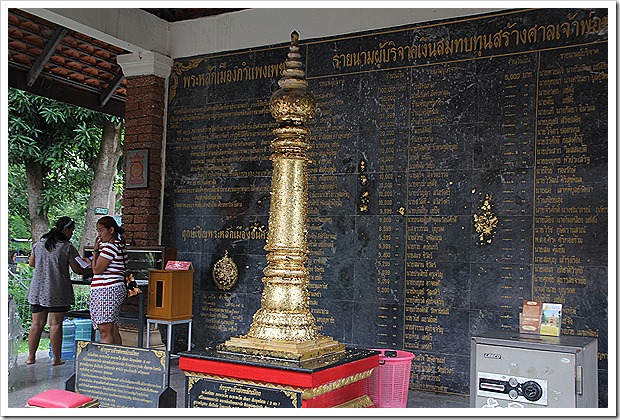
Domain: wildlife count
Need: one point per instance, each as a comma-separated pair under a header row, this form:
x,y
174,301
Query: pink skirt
x,y
105,303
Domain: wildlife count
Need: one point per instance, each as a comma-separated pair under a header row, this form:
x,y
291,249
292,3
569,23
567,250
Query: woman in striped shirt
x,y
108,290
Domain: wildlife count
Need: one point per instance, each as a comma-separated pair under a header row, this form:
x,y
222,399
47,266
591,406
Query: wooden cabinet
x,y
170,294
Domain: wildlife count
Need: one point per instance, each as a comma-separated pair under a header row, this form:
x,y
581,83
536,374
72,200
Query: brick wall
x,y
144,129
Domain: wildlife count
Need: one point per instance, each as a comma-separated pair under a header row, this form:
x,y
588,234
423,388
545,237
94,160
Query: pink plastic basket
x,y
388,386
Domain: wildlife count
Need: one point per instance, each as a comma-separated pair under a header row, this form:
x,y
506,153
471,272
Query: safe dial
x,y
531,391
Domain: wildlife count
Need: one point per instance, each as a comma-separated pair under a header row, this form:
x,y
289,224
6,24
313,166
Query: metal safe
x,y
509,369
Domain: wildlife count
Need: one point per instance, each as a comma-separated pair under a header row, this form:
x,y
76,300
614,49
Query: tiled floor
x,y
29,380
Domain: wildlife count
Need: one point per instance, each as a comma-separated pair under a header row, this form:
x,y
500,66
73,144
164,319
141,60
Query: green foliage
x,y
18,220
18,217
44,344
90,137
76,210
18,285
65,140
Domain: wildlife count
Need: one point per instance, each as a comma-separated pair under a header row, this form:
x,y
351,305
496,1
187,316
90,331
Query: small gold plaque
x,y
486,222
225,273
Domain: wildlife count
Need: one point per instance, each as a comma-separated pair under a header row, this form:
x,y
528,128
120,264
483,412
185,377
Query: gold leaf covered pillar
x,y
284,327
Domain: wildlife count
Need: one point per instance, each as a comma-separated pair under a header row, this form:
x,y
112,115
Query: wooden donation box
x,y
170,292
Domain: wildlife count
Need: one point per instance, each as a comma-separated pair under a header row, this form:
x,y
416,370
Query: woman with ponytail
x,y
108,290
51,293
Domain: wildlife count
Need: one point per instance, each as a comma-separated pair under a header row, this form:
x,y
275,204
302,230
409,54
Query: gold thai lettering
x,y
221,74
199,233
389,51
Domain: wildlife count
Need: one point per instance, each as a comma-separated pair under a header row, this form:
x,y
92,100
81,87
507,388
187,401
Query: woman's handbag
x,y
130,283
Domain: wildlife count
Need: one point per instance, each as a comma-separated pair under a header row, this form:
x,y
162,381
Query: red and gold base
x,y
223,380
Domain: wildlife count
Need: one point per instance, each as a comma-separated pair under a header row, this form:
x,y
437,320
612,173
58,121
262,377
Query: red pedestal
x,y
336,381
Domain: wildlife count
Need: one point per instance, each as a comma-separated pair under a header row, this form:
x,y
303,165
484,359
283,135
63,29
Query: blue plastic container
x,y
83,327
68,340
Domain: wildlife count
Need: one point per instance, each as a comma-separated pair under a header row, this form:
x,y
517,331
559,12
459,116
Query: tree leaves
x,y
54,113
63,139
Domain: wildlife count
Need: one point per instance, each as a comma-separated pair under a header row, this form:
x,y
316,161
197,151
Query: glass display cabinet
x,y
139,261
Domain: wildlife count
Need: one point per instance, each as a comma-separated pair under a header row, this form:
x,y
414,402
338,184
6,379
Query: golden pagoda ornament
x,y
283,327
225,273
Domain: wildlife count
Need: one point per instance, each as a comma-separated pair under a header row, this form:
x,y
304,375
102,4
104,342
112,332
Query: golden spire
x,y
284,327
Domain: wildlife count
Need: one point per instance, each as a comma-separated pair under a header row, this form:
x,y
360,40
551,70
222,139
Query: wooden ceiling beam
x,y
45,55
109,91
64,91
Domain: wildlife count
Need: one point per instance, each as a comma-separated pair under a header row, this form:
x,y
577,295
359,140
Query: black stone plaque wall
x,y
415,127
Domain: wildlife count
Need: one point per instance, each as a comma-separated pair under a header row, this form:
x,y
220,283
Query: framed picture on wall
x,y
136,168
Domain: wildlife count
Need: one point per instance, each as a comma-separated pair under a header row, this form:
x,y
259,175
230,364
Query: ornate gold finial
x,y
294,76
283,326
486,223
292,103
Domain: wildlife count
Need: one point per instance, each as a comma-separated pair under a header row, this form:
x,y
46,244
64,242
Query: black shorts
x,y
38,308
